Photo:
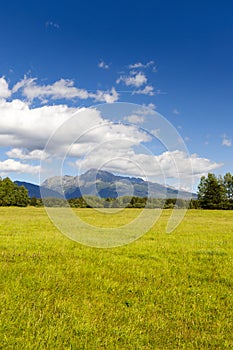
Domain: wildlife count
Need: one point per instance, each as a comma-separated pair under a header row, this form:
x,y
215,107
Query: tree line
x,y
13,195
213,193
120,202
216,192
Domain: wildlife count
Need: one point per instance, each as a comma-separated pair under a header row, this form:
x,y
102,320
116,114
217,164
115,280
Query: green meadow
x,y
163,291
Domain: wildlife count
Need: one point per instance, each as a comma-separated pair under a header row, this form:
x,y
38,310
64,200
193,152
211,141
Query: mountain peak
x,y
102,183
93,175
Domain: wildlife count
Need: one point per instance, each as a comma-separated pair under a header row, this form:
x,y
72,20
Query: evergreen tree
x,y
228,183
212,192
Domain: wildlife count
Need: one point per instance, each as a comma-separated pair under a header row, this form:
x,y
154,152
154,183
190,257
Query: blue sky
x,y
174,56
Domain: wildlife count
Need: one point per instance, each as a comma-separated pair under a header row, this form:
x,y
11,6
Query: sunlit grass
x,y
164,291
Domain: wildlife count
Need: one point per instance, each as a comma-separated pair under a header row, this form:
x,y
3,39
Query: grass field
x,y
164,291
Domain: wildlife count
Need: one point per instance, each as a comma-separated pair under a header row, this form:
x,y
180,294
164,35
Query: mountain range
x,y
35,190
103,184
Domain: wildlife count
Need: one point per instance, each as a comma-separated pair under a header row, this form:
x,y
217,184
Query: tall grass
x,y
164,291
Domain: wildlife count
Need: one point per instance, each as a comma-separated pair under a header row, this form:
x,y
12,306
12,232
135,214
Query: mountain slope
x,y
35,190
105,184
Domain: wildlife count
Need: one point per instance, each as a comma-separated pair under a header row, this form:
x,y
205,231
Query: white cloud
x,y
4,88
18,153
134,119
135,79
226,141
150,105
61,89
30,128
202,166
27,130
10,166
103,65
148,90
145,109
23,83
107,133
136,65
172,165
141,65
103,96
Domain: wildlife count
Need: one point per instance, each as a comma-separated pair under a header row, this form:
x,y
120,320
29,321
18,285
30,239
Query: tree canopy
x,y
12,195
216,192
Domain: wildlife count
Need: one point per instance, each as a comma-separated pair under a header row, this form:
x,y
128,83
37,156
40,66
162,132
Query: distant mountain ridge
x,y
105,184
35,190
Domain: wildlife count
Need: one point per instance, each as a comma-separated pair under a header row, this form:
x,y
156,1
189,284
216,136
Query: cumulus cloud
x,y
22,126
202,166
103,96
141,65
145,109
12,166
135,79
171,164
18,153
150,105
4,88
226,141
61,89
135,119
103,65
27,129
23,83
147,90
107,133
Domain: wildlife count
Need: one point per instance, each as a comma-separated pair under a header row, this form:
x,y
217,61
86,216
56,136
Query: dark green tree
x,y
11,194
212,192
22,198
228,183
